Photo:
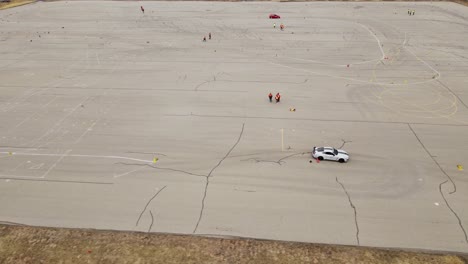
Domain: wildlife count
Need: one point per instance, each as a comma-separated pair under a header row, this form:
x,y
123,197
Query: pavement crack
x,y
292,155
279,161
454,94
152,221
435,161
209,175
266,161
149,201
344,143
354,208
160,168
199,85
453,211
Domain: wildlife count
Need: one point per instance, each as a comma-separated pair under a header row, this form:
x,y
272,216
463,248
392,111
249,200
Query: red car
x,y
274,16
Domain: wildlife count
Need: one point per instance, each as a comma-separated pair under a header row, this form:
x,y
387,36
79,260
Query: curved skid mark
x,y
377,39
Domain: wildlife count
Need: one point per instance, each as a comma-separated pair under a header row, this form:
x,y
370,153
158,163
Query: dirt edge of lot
x,y
26,244
15,3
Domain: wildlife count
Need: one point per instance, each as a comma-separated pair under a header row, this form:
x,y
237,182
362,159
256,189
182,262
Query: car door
x,y
329,155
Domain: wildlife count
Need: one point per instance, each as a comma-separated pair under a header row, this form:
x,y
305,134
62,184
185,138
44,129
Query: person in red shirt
x,y
271,97
142,9
278,97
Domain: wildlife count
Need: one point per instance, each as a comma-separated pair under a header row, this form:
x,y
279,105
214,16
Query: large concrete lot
x,y
92,92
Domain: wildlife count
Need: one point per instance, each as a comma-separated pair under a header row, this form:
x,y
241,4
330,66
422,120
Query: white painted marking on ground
x,y
34,142
127,173
90,128
37,166
376,38
77,156
55,164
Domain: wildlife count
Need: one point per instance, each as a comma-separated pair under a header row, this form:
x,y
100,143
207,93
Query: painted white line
x,y
48,132
55,164
127,173
37,166
18,166
76,156
90,128
34,114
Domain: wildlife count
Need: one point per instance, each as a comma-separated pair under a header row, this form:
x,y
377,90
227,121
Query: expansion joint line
x,y
354,208
435,161
149,201
209,175
453,211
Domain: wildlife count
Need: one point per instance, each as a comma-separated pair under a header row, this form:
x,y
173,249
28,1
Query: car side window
x,y
329,153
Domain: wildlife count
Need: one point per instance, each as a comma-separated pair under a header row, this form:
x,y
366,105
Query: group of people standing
x,y
209,37
277,97
411,12
281,26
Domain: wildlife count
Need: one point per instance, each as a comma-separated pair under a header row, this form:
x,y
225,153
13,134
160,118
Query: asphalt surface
x,y
111,118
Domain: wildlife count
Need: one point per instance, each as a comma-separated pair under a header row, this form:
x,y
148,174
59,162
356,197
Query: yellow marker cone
x,y
10,153
155,159
460,167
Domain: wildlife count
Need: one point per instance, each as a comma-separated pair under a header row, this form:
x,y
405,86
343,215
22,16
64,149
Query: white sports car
x,y
329,153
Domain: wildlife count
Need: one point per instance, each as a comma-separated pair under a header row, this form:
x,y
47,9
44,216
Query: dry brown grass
x,y
21,244
14,3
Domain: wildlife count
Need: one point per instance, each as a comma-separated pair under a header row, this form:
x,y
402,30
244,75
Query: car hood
x,y
342,152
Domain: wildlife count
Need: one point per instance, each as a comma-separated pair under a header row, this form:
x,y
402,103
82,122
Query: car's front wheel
x,y
320,158
341,160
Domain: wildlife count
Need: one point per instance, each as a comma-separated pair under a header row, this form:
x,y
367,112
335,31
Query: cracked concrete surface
x,y
279,161
86,107
146,206
460,223
352,206
205,191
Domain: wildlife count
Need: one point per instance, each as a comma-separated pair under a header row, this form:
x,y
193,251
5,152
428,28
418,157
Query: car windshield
x,y
335,151
319,149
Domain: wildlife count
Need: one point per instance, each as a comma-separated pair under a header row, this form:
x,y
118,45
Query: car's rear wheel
x,y
320,158
341,160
